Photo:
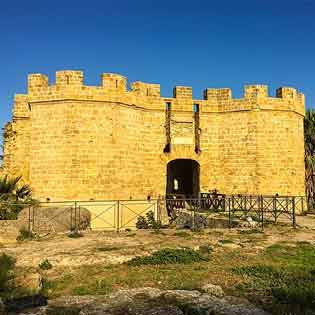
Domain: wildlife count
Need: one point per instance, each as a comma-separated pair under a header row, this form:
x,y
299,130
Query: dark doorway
x,y
183,178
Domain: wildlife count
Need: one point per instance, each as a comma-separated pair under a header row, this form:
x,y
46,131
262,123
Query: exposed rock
x,y
150,301
134,308
187,219
251,223
146,293
234,300
70,304
213,290
32,304
56,219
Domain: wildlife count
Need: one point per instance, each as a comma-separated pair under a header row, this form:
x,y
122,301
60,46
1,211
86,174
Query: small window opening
x,y
196,108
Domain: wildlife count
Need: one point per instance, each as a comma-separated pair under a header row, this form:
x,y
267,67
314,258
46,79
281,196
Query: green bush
x,y
148,222
75,234
169,256
153,224
25,234
142,223
45,265
7,264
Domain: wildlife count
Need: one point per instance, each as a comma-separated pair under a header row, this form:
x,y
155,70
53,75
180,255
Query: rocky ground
x,y
94,265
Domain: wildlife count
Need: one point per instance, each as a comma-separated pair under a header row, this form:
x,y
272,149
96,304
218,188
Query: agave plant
x,y
13,197
309,138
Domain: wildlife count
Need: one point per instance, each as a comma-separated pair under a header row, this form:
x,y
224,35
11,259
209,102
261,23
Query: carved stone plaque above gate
x,y
182,132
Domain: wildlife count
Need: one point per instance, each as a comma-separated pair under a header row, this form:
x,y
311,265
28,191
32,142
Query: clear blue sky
x,y
196,43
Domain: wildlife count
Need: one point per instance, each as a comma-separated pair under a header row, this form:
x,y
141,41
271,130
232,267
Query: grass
x,y
98,280
286,278
182,234
169,256
7,264
280,279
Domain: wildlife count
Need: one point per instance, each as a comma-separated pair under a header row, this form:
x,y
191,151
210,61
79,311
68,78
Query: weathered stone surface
x,y
71,141
70,304
149,301
55,219
213,290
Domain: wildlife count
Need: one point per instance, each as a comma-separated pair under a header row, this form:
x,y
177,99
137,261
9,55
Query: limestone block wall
x,y
72,141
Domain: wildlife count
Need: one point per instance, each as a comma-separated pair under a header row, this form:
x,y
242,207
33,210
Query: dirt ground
x,y
113,248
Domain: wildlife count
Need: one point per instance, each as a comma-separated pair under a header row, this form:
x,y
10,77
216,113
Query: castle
x,y
75,142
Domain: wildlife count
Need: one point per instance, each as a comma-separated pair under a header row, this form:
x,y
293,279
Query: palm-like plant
x,y
309,138
13,197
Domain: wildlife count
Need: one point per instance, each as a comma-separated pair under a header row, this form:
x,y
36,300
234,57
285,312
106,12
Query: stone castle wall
x,y
71,141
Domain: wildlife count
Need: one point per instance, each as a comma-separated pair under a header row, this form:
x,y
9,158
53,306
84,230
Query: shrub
x,y
169,256
45,265
142,223
153,224
7,264
148,222
75,234
25,234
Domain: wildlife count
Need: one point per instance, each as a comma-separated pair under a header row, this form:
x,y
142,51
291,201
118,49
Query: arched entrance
x,y
183,178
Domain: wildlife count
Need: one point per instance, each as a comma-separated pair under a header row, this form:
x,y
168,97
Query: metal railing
x,y
118,215
263,209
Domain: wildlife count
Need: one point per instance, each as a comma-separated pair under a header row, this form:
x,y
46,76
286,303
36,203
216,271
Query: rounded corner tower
x,y
75,142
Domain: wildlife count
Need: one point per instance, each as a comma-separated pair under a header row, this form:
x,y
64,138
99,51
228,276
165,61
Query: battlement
x,y
146,89
69,84
66,78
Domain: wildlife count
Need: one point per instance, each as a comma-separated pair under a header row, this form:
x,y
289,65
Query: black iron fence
x,y
255,209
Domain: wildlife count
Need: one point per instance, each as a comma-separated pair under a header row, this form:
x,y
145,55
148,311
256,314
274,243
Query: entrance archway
x,y
183,178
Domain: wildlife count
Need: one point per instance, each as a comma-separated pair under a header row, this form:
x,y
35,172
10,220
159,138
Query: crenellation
x,y
146,89
69,85
21,107
182,92
288,93
109,142
114,82
68,78
37,81
254,92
